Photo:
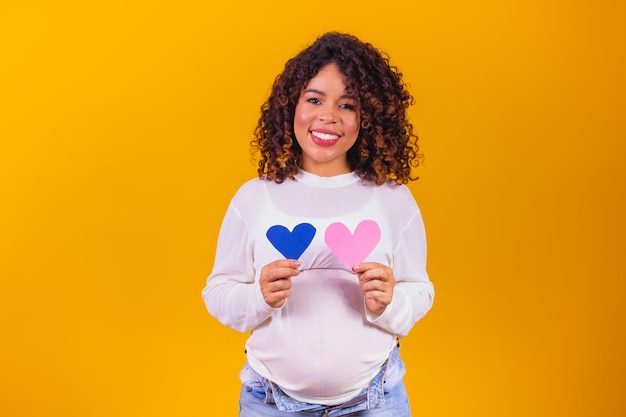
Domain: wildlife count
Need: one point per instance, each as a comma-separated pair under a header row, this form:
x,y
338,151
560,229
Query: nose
x,y
327,113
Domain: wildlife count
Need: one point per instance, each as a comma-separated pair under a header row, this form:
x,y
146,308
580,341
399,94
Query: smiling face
x,y
326,123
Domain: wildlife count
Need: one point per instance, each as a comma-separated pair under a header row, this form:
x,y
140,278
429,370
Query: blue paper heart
x,y
291,244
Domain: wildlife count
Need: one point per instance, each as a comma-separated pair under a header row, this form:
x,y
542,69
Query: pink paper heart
x,y
352,248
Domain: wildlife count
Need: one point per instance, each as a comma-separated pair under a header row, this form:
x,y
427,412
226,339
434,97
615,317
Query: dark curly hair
x,y
386,147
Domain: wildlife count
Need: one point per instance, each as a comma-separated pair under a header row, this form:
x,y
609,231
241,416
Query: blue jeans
x,y
384,397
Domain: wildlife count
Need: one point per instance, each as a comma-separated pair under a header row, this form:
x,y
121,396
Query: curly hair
x,y
386,147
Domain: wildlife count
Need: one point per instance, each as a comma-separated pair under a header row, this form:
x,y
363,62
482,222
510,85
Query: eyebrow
x,y
320,92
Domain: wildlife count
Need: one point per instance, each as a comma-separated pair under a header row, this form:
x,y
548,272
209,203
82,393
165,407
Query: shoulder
x,y
251,186
395,193
249,193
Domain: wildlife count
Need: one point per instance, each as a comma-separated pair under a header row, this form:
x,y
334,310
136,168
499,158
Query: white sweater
x,y
322,346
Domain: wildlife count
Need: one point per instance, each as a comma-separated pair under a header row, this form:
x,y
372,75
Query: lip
x,y
324,142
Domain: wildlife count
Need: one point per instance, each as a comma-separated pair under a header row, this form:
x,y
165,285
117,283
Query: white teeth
x,y
326,136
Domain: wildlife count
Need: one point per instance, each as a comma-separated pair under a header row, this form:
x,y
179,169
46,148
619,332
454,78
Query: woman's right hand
x,y
275,281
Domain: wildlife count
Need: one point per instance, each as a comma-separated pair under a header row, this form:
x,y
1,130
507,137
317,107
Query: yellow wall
x,y
124,130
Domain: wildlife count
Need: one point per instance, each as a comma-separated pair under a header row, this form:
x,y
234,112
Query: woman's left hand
x,y
376,281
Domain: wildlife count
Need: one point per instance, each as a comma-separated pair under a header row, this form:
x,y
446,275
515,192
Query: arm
x,y
231,294
396,299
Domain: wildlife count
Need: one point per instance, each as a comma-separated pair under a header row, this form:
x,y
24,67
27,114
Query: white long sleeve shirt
x,y
322,346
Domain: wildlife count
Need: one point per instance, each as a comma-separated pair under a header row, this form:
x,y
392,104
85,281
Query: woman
x,y
323,257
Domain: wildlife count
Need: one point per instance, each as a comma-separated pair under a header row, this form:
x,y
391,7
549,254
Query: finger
x,y
276,271
276,292
375,286
282,273
277,299
365,266
279,284
283,263
372,268
376,296
380,274
375,304
286,263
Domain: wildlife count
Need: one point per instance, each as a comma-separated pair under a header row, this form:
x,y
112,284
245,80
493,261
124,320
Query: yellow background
x,y
124,130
